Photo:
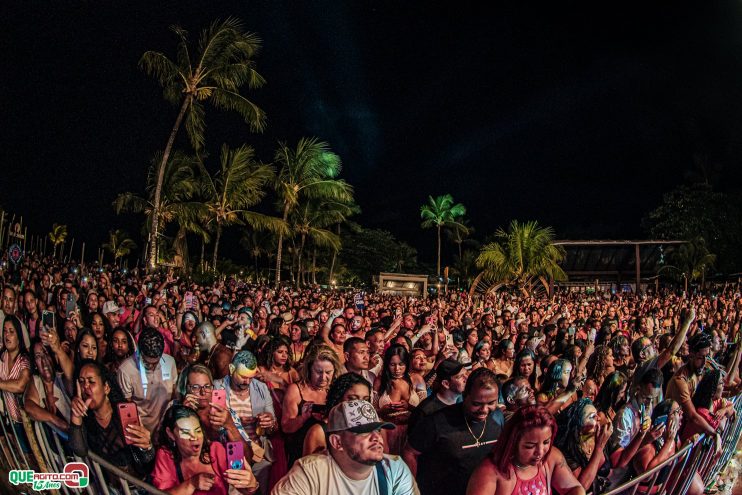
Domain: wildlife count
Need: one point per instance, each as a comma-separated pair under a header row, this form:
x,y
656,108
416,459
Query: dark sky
x,y
575,114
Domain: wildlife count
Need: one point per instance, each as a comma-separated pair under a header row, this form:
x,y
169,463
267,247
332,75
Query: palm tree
x,y
311,221
58,235
238,185
459,233
441,212
308,171
257,244
221,63
119,244
691,261
522,256
177,200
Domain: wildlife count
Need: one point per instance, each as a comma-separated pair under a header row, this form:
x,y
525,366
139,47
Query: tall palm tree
x,y
312,220
119,244
354,209
690,261
459,233
237,186
221,63
440,212
58,235
257,244
178,202
308,171
522,256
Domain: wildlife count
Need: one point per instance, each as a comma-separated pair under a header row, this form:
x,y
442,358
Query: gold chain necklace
x,y
477,439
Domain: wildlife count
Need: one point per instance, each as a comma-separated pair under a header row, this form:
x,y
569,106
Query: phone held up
x,y
235,455
128,415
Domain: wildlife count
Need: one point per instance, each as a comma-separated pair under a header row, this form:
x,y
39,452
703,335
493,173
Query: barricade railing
x,y
674,464
697,456
47,444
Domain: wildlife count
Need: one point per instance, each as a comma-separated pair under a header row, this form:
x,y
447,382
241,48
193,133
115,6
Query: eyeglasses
x,y
196,389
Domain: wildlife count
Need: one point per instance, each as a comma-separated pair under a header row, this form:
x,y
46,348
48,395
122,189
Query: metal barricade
x,y
699,456
675,464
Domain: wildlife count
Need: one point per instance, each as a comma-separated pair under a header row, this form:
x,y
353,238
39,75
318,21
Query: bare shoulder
x,y
484,479
555,459
292,392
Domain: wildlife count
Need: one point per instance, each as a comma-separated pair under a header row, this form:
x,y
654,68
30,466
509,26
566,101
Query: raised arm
x,y
677,341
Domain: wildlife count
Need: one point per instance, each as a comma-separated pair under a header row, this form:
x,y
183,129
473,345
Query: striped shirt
x,y
8,373
243,409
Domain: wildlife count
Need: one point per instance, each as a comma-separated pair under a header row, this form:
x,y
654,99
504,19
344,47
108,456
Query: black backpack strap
x,y
381,476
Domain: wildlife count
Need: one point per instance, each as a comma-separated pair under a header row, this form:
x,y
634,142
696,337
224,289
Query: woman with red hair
x,y
525,462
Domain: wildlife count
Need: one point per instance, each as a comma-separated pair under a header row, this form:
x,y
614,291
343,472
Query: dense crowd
x,y
238,388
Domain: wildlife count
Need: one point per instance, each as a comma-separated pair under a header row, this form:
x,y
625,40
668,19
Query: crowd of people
x,y
232,387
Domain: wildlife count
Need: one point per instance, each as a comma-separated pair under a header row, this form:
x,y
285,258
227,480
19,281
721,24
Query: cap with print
x,y
356,416
111,307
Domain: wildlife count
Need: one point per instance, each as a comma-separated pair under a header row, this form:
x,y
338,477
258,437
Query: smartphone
x,y
219,397
449,340
660,420
71,304
319,408
128,415
47,319
189,300
147,301
235,455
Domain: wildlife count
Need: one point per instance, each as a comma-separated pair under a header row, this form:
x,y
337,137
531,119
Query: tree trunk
x,y
280,247
332,264
203,249
160,178
300,279
459,243
439,253
314,267
257,273
216,243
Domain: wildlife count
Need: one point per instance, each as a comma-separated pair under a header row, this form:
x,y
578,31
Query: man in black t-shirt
x,y
445,447
449,384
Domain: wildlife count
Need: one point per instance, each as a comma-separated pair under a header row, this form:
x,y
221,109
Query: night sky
x,y
574,114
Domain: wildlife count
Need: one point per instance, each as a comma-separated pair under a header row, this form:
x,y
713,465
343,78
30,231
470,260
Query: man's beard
x,y
356,456
240,387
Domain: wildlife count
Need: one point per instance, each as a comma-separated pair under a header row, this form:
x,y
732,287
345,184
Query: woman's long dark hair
x,y
386,375
706,389
115,396
553,376
18,332
568,439
341,385
107,330
607,397
525,353
76,347
173,414
110,357
265,356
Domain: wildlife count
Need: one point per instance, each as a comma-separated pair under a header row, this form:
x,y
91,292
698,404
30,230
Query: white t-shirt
x,y
160,386
319,474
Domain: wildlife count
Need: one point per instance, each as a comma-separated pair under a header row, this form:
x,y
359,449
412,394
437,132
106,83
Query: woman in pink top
x,y
187,463
524,462
709,404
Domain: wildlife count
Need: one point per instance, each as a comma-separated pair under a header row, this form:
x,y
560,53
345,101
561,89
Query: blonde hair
x,y
320,352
